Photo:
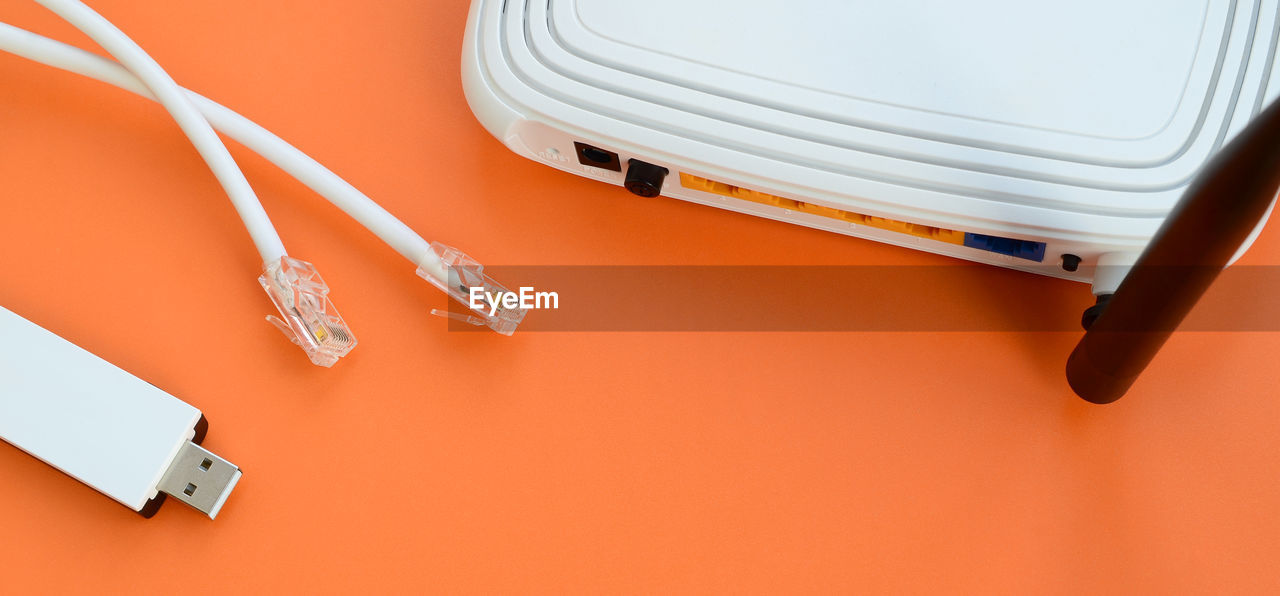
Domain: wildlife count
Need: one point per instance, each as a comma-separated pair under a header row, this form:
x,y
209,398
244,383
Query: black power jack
x,y
645,179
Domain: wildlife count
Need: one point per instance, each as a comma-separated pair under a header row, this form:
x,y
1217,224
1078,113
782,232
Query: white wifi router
x,y
1048,137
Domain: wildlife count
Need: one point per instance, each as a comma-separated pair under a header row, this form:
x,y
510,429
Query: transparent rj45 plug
x,y
463,273
307,316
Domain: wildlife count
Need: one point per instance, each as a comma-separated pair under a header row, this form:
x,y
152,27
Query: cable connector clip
x,y
456,274
307,316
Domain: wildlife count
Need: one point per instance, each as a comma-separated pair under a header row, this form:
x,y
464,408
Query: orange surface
x,y
560,462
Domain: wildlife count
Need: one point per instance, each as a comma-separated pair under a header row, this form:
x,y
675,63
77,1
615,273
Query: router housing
x,y
1035,136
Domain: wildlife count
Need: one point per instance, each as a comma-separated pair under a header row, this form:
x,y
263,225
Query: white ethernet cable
x,y
104,426
307,316
445,267
167,92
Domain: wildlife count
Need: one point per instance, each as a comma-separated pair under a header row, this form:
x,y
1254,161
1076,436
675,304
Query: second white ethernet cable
x,y
307,315
445,267
166,91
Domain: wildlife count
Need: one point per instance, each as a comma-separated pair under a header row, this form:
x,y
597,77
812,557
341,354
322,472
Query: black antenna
x,y
1221,208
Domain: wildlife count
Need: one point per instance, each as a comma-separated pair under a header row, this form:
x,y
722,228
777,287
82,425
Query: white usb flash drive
x,y
103,426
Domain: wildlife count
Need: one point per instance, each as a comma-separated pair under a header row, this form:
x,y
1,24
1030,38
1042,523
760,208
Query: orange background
x,y
581,462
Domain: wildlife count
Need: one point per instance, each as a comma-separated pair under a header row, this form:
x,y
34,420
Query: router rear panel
x,y
1030,131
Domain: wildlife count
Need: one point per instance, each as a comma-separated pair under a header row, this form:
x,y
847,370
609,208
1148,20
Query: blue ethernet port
x,y
1022,249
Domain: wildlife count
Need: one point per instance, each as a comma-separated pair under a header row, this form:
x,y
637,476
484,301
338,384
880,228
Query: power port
x,y
1071,263
597,157
645,179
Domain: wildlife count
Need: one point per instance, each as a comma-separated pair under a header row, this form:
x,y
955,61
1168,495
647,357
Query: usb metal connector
x,y
200,479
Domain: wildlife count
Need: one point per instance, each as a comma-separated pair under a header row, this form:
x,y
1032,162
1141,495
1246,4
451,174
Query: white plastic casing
x,y
86,417
1075,124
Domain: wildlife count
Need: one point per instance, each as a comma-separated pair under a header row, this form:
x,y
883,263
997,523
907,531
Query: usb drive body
x,y
103,426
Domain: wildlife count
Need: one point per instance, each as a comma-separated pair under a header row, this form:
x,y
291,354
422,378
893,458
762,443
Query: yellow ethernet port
x,y
728,190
